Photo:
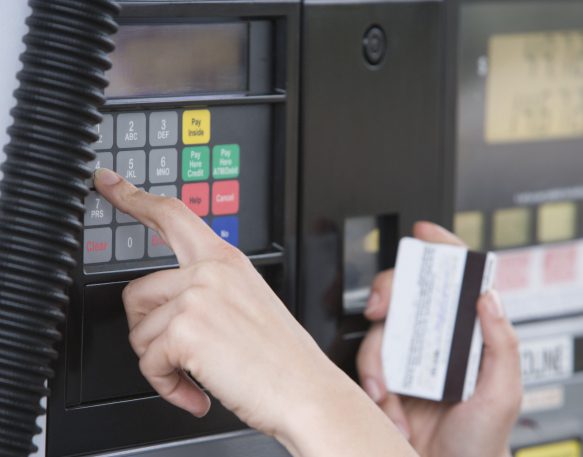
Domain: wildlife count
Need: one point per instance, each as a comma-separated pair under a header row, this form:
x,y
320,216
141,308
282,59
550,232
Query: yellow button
x,y
469,226
562,449
196,127
557,222
511,227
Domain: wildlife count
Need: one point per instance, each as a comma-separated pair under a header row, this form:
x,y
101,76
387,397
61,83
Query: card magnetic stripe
x,y
464,326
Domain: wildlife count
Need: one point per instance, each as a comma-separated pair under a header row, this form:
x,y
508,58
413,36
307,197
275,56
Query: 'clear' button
x,y
97,245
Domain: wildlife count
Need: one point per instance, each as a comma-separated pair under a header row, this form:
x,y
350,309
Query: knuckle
x,y
512,343
134,195
179,330
128,293
382,281
145,367
209,273
135,343
187,299
233,256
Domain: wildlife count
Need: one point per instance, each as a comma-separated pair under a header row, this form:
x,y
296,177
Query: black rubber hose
x,y
42,193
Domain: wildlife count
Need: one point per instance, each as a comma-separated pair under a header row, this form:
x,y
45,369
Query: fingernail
x,y
374,302
494,305
106,177
373,389
201,412
403,430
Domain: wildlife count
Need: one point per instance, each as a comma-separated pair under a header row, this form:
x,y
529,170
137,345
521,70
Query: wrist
x,y
335,417
314,401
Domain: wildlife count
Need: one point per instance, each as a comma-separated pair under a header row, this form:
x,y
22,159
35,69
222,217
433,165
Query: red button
x,y
196,197
225,197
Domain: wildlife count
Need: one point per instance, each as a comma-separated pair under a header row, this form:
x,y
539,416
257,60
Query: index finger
x,y
186,234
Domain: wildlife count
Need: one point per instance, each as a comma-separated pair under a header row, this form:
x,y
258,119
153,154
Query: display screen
x,y
519,150
179,59
535,86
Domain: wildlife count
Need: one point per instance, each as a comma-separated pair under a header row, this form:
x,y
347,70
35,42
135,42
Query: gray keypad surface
x,y
102,160
165,191
156,245
131,130
163,165
147,149
105,132
123,218
97,245
164,129
129,242
98,211
142,148
131,165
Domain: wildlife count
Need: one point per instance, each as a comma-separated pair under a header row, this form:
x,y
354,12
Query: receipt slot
x,y
202,106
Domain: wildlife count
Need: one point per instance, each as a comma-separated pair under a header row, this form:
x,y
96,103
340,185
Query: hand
x,y
479,426
217,319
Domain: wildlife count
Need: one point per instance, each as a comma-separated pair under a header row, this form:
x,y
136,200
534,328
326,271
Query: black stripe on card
x,y
464,327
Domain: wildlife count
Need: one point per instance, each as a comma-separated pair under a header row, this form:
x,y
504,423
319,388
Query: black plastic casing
x,y
349,139
372,145
140,418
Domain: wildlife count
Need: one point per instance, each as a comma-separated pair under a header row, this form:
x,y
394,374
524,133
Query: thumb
x,y
499,385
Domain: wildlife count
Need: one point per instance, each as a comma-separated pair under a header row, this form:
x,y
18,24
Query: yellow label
x,y
563,449
469,226
511,227
196,127
534,89
557,222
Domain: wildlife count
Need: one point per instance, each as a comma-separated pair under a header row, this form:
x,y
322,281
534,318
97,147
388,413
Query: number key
x,y
131,165
130,242
163,165
102,160
105,133
97,210
164,128
131,130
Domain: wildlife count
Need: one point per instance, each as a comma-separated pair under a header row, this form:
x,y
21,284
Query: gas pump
x,y
330,127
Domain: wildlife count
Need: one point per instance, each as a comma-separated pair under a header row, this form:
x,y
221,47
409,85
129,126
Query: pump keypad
x,y
163,129
167,153
131,165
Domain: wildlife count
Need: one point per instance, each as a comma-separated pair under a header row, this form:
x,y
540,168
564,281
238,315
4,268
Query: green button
x,y
226,161
195,163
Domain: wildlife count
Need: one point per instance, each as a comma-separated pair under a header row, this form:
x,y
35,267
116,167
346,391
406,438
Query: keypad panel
x,y
182,154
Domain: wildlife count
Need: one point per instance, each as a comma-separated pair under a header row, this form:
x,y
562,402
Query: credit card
x,y
432,344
